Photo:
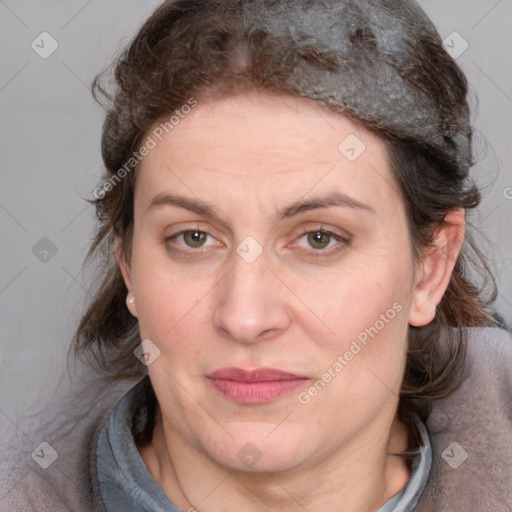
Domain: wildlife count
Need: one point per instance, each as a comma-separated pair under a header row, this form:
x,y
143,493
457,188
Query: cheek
x,y
362,339
352,297
170,305
362,358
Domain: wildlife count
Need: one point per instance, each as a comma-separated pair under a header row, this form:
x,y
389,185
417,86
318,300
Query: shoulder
x,y
489,382
490,346
486,393
471,431
48,463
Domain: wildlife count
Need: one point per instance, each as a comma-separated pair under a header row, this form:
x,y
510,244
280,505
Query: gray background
x,y
50,162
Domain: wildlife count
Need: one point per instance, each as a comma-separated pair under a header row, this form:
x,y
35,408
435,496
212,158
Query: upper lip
x,y
256,375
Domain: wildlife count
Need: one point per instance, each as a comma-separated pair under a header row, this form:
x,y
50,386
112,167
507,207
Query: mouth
x,y
259,386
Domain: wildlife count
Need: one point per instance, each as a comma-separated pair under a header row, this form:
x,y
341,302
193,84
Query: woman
x,y
285,218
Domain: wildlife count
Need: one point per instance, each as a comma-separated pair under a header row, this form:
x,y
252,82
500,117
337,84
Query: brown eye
x,y
318,239
194,239
321,243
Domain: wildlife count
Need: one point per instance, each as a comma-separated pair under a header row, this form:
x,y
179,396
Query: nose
x,y
250,303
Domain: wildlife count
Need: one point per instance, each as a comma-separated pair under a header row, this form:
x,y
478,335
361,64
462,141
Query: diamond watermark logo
x,y
44,250
352,147
249,250
44,45
454,455
455,45
45,455
249,455
147,352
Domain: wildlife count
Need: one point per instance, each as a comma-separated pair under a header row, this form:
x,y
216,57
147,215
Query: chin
x,y
256,449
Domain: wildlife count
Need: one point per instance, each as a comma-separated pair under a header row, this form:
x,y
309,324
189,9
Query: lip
x,y
258,386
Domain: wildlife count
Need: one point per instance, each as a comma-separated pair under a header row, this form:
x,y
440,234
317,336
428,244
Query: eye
x,y
321,242
319,239
191,239
194,238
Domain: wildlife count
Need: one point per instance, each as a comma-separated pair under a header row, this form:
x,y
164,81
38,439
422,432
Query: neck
x,y
366,475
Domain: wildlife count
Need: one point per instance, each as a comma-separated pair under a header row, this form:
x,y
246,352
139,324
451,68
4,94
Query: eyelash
x,y
168,239
312,254
325,253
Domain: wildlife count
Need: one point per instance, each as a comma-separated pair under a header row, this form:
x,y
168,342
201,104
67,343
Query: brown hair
x,y
194,49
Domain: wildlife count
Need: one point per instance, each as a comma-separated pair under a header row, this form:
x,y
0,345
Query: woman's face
x,y
272,270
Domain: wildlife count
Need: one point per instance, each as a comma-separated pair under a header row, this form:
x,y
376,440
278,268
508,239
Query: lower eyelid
x,y
325,253
342,242
336,236
182,233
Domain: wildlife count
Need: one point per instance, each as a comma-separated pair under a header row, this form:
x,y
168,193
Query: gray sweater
x,y
470,434
127,485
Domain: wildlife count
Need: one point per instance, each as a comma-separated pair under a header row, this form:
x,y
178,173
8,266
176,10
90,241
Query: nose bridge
x,y
248,303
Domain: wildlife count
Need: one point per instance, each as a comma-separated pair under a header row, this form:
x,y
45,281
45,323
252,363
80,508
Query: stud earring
x,y
130,300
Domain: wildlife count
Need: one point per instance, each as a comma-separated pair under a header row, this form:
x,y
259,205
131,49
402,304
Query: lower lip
x,y
256,392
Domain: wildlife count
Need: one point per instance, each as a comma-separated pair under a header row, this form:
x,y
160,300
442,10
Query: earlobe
x,y
436,268
130,303
125,271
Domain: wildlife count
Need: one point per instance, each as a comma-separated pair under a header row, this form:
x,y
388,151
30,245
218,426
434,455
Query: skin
x,y
207,308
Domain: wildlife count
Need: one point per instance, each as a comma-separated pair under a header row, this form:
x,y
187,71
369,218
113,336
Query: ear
x,y
125,269
436,268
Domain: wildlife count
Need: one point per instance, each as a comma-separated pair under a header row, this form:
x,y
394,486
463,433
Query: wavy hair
x,y
381,63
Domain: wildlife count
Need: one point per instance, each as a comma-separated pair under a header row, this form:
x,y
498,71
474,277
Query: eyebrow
x,y
202,208
327,201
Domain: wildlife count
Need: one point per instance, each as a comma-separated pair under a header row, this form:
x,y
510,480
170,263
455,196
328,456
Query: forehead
x,y
277,125
269,145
